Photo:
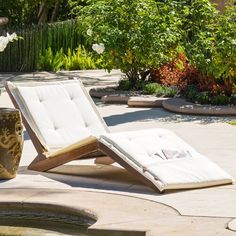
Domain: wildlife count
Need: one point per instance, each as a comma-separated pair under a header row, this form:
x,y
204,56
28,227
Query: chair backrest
x,y
59,113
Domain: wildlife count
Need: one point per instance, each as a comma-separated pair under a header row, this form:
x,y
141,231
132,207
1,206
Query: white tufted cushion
x,y
181,167
62,113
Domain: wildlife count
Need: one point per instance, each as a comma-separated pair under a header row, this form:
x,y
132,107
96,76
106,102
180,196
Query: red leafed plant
x,y
180,73
177,72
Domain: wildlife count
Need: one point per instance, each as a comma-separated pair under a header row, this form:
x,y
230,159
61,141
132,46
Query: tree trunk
x,y
43,13
54,12
228,87
220,4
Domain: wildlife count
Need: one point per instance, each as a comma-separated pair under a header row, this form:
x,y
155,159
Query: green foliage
x,y
151,88
191,93
220,100
203,97
137,35
211,42
140,84
232,122
75,6
28,12
50,62
159,90
147,88
23,55
18,11
170,92
125,84
78,59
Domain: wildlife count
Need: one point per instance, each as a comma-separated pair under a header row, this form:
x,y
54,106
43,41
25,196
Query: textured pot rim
x,y
8,110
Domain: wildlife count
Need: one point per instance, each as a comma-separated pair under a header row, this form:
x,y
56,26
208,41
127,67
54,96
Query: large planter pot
x,y
11,142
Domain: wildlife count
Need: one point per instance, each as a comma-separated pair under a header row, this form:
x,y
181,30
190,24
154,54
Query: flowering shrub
x,y
99,48
131,35
4,40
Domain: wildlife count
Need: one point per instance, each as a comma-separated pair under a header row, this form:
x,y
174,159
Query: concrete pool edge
x,y
116,214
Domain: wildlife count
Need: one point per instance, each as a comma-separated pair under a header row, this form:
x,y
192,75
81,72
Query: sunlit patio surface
x,y
122,204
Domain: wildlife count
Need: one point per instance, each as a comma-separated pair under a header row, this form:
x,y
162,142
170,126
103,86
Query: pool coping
x,y
139,221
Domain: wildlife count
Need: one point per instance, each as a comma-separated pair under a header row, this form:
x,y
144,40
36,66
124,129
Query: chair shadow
x,y
26,135
161,115
98,177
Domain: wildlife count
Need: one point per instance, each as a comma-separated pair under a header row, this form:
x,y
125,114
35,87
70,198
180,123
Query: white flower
x,y
89,32
4,40
3,43
12,37
99,48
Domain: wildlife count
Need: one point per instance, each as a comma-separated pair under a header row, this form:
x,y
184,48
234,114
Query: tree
x,y
131,35
28,12
211,45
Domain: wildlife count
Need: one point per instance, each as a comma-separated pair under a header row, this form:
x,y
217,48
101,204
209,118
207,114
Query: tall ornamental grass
x,y
23,55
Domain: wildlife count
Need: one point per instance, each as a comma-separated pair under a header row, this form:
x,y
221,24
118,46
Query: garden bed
x,y
178,105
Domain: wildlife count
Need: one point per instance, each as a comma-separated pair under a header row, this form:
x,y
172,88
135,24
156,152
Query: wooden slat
x,y
63,156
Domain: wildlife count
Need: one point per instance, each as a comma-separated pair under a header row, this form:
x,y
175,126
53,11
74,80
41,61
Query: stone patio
x,y
119,201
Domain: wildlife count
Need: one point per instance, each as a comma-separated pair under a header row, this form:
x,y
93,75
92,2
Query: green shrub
x,y
211,43
79,59
164,91
203,97
151,88
170,92
125,85
191,93
159,90
140,84
220,100
133,36
51,62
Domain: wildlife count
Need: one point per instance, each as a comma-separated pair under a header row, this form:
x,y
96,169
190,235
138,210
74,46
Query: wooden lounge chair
x,y
64,125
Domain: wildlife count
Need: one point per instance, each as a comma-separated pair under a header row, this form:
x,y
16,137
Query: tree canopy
x,y
28,12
